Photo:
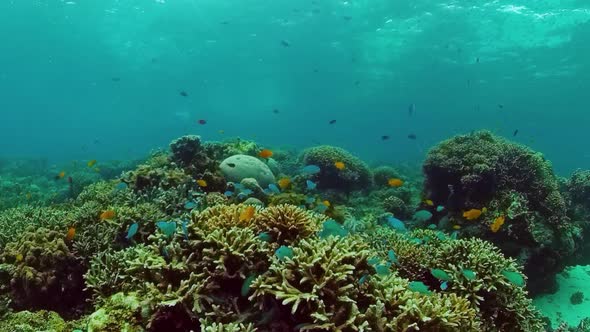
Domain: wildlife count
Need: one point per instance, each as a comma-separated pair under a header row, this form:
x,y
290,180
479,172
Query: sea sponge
x,y
356,174
239,167
44,269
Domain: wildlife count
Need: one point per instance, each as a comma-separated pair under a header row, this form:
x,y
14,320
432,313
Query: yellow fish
x,y
247,213
91,163
108,214
326,203
284,183
339,165
472,214
456,226
498,222
395,182
202,183
428,202
19,257
61,175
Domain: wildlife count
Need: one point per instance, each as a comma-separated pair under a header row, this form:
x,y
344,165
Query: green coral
x,y
355,175
27,321
120,313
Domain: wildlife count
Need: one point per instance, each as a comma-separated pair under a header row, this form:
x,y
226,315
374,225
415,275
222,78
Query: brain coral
x,y
355,175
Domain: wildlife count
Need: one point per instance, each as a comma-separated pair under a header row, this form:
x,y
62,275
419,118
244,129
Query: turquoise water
x,y
102,79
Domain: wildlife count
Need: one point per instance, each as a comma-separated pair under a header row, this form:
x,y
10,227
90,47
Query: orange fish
x,y
428,202
284,183
498,222
61,175
247,213
472,214
340,165
108,214
395,182
71,233
91,163
202,183
266,153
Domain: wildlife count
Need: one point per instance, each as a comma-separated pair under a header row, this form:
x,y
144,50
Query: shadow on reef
x,y
212,236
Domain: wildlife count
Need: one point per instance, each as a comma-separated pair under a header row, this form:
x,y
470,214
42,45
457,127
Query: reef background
x,y
101,79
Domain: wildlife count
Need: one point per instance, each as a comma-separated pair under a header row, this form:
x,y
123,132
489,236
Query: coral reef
x,y
355,175
482,170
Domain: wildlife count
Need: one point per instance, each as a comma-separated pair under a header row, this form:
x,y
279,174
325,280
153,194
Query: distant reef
x,y
231,236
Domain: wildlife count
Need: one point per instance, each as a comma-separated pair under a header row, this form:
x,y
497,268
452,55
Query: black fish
x,y
385,137
500,106
285,43
412,136
515,133
332,122
356,83
315,70
183,93
347,18
116,79
275,111
477,59
411,109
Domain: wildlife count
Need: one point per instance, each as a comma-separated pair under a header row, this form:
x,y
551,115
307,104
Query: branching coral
x,y
287,223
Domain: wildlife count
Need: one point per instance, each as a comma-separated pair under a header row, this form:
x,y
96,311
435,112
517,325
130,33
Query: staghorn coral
x,y
44,269
355,176
207,326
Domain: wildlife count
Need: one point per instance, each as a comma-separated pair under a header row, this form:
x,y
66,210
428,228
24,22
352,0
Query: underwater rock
x,y
185,149
238,167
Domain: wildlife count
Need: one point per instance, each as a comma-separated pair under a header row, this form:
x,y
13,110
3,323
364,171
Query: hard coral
x,y
355,175
482,170
44,270
287,223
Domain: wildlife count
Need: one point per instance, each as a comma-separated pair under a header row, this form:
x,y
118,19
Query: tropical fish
x,y
311,169
91,163
190,205
29,196
411,109
121,186
332,228
469,274
19,257
221,131
339,165
60,175
363,279
444,285
514,277
284,252
432,226
498,222
202,183
108,214
167,227
515,133
454,235
440,208
385,137
326,203
456,226
309,200
382,269
285,43
228,193
71,233
264,236
310,185
396,224
422,216
428,202
273,188
395,182
132,231
472,214
440,274
246,285
412,136
266,153
332,122
373,261
321,208
202,121
183,93
392,256
247,213
419,287
284,183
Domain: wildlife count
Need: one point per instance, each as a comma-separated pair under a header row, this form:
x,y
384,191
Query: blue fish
x,y
264,236
310,185
432,226
332,227
228,193
454,235
246,286
396,224
284,252
247,192
440,208
185,229
444,285
310,200
238,186
311,169
392,257
382,269
190,205
274,189
121,186
167,227
422,216
373,261
321,208
132,231
363,279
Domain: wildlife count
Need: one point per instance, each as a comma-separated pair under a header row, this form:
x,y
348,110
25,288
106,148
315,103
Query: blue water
x,y
102,79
